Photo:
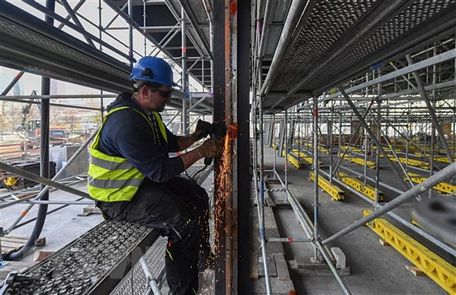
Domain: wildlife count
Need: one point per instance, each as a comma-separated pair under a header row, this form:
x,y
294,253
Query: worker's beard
x,y
158,109
161,108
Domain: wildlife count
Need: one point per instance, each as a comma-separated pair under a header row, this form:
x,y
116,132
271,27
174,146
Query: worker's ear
x,y
144,91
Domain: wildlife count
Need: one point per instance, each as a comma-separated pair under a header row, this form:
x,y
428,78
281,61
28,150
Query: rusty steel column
x,y
219,110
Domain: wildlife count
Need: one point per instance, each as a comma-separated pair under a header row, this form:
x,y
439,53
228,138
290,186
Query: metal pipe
x,y
150,280
115,16
48,213
274,160
51,104
130,32
259,108
440,176
166,39
260,189
264,29
372,135
12,83
78,96
399,219
197,103
42,180
44,152
317,257
144,27
377,144
57,17
297,8
57,175
306,224
285,135
382,184
431,110
75,9
352,138
75,19
448,55
330,131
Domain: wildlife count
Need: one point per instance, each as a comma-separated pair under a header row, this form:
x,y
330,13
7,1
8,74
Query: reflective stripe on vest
x,y
111,178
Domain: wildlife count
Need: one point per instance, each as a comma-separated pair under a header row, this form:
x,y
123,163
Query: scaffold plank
x,y
358,185
443,187
92,264
333,190
436,268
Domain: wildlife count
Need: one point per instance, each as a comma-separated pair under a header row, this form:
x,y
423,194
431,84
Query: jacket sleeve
x,y
136,142
172,142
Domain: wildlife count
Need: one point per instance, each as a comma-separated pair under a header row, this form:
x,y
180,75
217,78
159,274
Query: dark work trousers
x,y
180,209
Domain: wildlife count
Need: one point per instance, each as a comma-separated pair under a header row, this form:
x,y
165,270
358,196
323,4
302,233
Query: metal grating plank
x,y
339,39
327,22
135,281
416,14
92,264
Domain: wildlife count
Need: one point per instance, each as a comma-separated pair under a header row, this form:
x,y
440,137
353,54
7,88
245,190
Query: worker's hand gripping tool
x,y
217,131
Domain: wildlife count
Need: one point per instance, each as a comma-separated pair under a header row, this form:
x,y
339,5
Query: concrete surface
x,y
375,269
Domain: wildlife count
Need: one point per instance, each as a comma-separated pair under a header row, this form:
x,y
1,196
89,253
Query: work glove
x,y
202,130
210,148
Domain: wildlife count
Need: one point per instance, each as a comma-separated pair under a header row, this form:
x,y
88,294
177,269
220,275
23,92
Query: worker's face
x,y
156,98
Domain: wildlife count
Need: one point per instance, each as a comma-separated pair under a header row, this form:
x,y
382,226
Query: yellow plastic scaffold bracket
x,y
359,161
436,268
334,191
443,187
358,185
294,161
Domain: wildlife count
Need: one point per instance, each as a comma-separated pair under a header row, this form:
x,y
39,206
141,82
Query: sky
x,y
89,9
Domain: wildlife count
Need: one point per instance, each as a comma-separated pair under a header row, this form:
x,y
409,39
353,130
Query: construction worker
x,y
133,178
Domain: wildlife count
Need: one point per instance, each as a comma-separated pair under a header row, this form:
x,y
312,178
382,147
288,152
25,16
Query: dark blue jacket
x,y
127,134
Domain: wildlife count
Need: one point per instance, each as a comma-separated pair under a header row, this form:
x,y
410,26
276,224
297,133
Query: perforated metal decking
x,y
93,264
335,40
27,43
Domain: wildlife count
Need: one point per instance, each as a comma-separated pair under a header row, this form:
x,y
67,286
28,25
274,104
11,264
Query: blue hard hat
x,y
154,70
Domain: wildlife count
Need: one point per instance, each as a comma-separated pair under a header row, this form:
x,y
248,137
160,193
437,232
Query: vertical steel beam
x,y
184,77
219,102
243,150
431,110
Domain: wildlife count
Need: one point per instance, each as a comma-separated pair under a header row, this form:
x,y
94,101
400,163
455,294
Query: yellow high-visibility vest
x,y
111,178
